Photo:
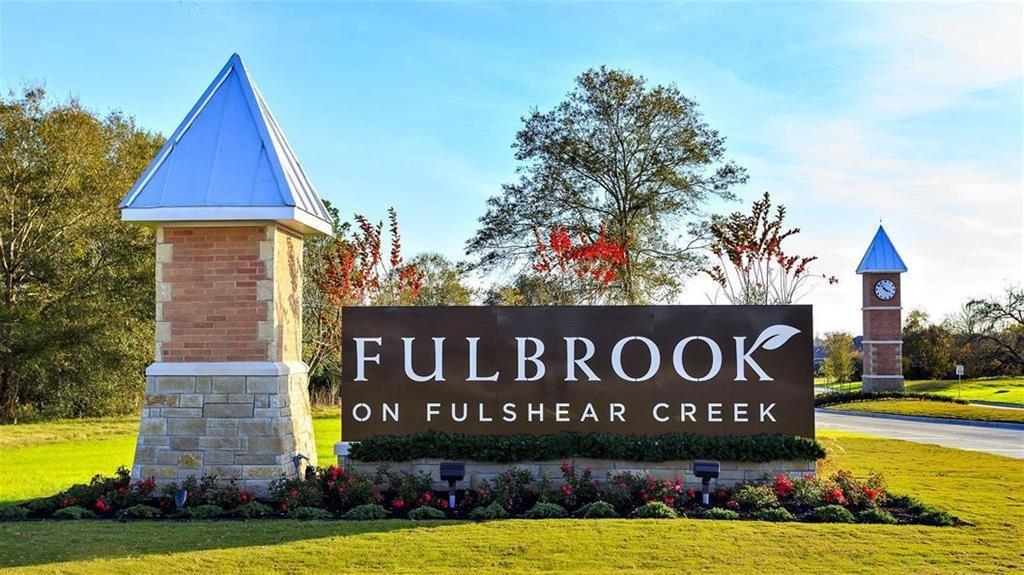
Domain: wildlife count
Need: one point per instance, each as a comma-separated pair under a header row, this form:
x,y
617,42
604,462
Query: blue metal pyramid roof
x,y
881,256
228,160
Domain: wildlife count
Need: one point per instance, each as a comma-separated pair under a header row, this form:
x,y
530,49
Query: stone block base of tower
x,y
871,383
240,421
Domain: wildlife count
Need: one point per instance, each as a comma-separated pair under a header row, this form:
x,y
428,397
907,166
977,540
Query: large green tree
x,y
839,361
990,334
444,281
927,348
618,154
76,299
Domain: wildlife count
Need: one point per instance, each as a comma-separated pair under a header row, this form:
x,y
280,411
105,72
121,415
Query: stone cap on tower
x,y
881,256
228,160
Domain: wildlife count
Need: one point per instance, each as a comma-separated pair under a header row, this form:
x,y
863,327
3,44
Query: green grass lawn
x,y
986,490
991,389
935,409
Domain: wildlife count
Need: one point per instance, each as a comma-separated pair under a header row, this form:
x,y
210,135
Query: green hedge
x,y
515,448
826,399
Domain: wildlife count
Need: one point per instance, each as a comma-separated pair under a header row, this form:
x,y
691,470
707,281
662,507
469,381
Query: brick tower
x,y
880,269
230,204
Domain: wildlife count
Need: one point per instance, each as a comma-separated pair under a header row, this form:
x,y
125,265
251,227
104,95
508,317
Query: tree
x,y
991,334
564,272
927,348
320,316
752,267
349,268
838,364
526,289
77,283
578,272
619,155
443,281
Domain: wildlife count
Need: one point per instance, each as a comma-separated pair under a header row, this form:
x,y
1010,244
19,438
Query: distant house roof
x,y
881,256
228,160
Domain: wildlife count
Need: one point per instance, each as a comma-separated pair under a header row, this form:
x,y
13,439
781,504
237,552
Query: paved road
x,y
1007,442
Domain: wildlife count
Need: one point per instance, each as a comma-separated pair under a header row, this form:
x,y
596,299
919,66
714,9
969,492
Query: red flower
x,y
835,495
783,486
102,506
871,494
398,503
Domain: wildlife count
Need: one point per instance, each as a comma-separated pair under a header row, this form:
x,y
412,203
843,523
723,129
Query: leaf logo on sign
x,y
774,336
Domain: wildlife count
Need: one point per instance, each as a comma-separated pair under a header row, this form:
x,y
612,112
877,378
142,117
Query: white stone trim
x,y
880,307
289,216
163,368
890,341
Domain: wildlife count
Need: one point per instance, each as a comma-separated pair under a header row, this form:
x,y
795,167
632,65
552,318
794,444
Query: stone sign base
x,y
732,473
241,421
871,383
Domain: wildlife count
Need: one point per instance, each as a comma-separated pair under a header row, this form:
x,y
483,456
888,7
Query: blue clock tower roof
x,y
881,256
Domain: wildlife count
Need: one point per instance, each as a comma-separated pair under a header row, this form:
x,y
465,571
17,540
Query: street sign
x,y
959,370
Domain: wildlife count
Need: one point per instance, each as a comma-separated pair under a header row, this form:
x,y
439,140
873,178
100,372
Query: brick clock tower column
x,y
227,394
881,269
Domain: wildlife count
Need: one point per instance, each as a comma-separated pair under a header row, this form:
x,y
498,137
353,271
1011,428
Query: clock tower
x,y
880,269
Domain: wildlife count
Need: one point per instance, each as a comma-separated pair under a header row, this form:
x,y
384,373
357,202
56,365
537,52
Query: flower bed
x,y
334,492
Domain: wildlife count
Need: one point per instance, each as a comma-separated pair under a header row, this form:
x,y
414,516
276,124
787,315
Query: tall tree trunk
x,y
8,394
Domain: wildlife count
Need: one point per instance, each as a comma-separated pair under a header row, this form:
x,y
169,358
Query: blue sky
x,y
847,113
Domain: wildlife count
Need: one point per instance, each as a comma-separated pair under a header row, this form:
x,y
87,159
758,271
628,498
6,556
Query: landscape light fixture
x,y
706,471
452,471
297,460
180,497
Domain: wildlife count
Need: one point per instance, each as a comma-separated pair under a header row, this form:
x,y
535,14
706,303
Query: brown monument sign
x,y
713,370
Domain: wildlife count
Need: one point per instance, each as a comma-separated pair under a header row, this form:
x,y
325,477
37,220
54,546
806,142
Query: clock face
x,y
885,289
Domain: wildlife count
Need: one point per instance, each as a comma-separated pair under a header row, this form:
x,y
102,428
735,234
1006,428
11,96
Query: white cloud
x,y
933,55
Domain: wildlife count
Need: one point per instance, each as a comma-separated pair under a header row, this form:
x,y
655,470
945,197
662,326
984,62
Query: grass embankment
x,y
923,408
1008,390
983,489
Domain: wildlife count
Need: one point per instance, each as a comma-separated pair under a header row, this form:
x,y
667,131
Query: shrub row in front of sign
x,y
336,493
827,399
654,448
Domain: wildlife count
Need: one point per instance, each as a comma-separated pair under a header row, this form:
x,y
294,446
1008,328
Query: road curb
x,y
967,422
997,404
